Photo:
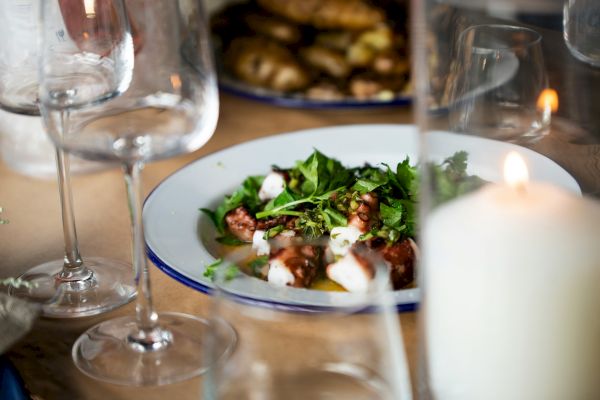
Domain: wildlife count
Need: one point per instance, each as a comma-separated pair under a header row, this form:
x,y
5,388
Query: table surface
x,y
34,234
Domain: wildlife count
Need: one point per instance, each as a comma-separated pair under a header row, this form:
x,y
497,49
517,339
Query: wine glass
x,y
18,57
97,48
581,30
171,107
351,349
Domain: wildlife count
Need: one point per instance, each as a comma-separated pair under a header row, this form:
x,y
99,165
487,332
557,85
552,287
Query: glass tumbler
x,y
498,76
293,351
581,23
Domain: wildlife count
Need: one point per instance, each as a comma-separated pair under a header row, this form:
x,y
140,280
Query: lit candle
x,y
512,305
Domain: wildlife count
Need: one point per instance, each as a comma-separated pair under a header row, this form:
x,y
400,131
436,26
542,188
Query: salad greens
x,y
321,193
211,269
246,195
2,220
450,178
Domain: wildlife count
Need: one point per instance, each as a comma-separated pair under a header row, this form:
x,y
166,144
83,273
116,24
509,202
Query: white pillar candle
x,y
512,305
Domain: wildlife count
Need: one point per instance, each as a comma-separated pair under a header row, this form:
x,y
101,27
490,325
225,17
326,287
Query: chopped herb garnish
x,y
271,233
256,264
18,283
450,178
230,272
211,269
230,240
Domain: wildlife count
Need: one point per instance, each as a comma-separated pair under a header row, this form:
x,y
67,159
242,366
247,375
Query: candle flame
x,y
516,173
90,8
548,101
176,81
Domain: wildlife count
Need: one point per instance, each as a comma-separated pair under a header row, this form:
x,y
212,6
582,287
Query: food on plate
x,y
266,63
327,14
314,225
318,49
275,28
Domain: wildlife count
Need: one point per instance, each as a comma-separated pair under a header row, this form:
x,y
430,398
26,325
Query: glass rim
x,y
535,37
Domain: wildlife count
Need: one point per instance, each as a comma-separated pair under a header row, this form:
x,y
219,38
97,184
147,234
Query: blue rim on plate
x,y
178,237
179,277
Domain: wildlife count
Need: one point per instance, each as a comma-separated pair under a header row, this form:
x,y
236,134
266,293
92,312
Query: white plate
x,y
179,236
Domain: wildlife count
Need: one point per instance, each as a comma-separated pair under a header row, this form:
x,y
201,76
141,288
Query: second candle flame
x,y
516,174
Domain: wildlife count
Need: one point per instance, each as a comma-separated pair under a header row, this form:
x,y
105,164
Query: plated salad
x,y
353,210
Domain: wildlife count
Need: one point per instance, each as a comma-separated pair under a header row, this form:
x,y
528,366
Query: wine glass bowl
x,y
88,59
151,128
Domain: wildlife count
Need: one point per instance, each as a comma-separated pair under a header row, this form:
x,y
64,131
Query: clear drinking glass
x,y
581,23
18,56
353,350
498,75
70,287
171,107
501,316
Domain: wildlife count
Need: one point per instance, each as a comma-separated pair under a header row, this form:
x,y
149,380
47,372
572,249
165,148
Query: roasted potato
x,y
265,63
332,62
327,14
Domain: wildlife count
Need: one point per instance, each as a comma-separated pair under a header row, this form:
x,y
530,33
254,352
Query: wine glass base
x,y
111,285
106,353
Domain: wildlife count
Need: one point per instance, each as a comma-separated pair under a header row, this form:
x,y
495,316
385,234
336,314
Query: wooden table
x,y
34,235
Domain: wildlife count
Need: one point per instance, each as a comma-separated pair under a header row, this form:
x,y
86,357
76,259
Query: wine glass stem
x,y
149,336
73,268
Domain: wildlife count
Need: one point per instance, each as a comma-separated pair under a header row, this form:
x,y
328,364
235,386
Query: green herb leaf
x,y
246,195
406,176
211,269
274,231
336,218
231,272
2,220
281,201
456,165
18,283
257,264
230,240
371,179
391,215
322,174
450,178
